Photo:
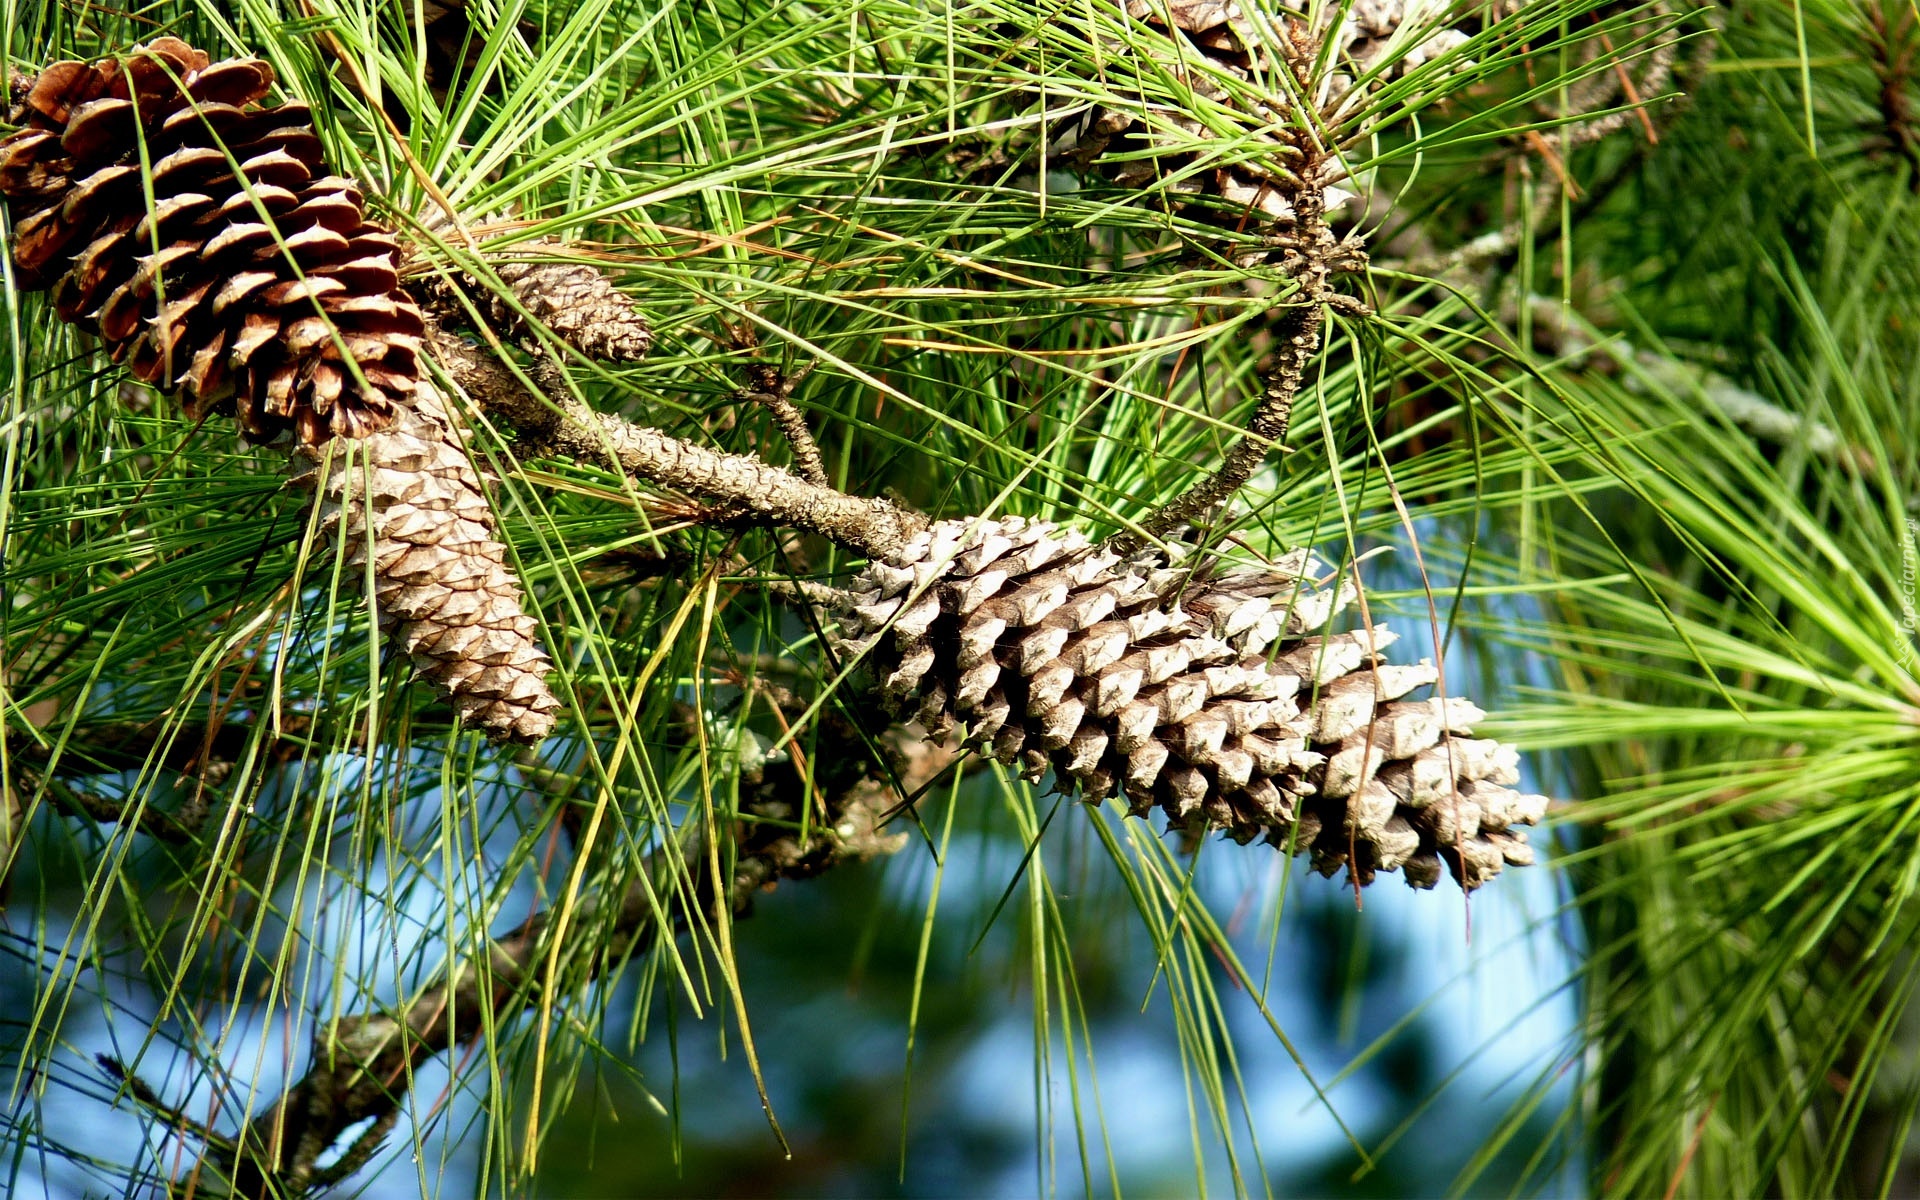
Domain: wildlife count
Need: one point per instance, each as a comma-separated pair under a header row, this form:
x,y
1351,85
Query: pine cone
x,y
266,287
1225,60
575,300
441,582
1210,694
1367,35
1263,190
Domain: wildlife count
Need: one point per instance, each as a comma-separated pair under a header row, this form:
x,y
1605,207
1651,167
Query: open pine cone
x,y
255,276
1210,694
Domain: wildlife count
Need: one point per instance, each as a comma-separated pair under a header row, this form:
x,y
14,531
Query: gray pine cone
x,y
441,581
1208,693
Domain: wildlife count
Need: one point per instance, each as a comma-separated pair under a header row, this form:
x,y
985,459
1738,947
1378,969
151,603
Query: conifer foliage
x,y
777,441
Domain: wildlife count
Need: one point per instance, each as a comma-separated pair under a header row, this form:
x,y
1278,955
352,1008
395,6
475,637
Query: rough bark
x,y
1298,341
872,527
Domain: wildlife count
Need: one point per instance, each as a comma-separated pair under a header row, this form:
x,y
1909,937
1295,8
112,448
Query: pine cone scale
x,y
33,167
54,89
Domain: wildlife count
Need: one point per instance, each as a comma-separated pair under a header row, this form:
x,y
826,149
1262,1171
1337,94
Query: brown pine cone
x,y
1211,694
442,584
255,278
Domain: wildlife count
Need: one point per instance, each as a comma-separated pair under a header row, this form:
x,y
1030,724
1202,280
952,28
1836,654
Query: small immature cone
x,y
1211,694
575,300
250,278
442,583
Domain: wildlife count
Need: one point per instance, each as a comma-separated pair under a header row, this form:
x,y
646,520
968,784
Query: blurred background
x,y
1638,381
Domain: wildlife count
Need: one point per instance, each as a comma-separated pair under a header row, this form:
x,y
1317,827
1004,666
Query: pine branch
x,y
772,388
1298,341
202,756
1891,51
1624,89
144,1096
564,425
1572,340
180,827
1315,256
777,397
362,1064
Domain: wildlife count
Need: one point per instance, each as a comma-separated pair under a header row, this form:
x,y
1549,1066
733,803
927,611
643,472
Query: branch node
x,y
772,389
